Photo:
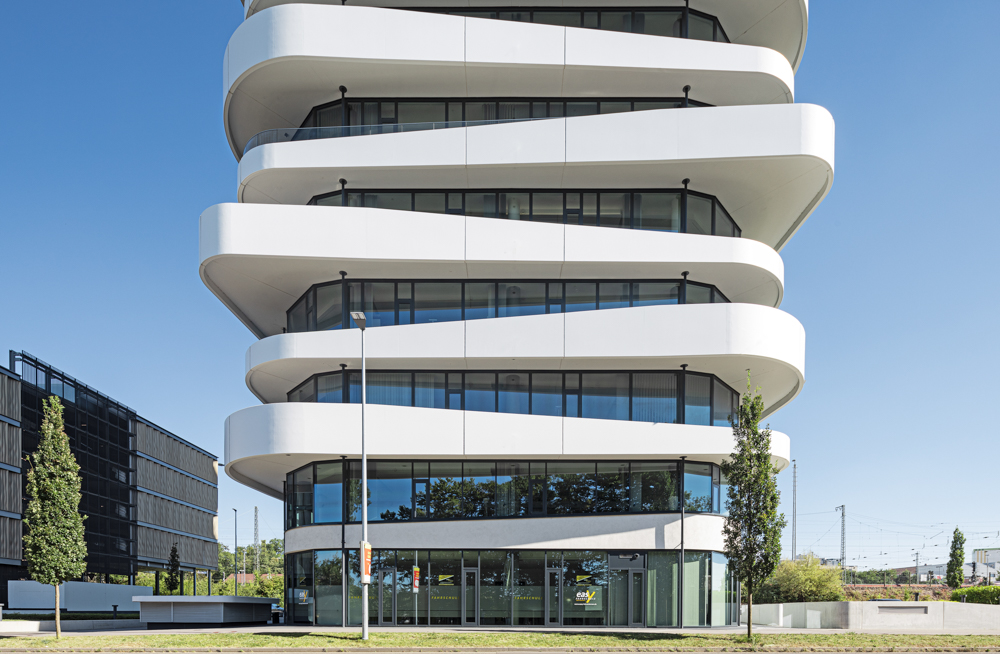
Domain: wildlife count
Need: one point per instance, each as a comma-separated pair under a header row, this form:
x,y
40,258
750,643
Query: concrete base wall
x,y
32,626
929,616
73,596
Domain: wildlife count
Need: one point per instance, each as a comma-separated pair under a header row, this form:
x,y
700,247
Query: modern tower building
x,y
562,223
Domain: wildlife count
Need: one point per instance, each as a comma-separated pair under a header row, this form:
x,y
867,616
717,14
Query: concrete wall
x,y
73,596
930,616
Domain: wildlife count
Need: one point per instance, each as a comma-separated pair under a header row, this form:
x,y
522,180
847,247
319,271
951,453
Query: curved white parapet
x,y
781,25
769,165
259,259
652,531
722,339
286,60
264,443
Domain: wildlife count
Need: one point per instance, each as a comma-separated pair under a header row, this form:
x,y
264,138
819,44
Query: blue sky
x,y
113,145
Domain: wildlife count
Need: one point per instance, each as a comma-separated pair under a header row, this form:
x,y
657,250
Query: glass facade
x,y
584,588
388,302
658,210
471,490
674,397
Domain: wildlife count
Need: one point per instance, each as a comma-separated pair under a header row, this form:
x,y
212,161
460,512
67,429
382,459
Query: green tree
x,y
804,580
956,562
54,547
753,526
173,580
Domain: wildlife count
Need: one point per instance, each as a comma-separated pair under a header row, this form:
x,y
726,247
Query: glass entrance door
x,y
636,596
470,598
387,596
553,607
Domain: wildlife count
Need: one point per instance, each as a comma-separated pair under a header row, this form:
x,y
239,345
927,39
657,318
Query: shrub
x,y
804,580
977,594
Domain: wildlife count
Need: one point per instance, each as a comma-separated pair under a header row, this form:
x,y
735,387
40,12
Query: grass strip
x,y
432,641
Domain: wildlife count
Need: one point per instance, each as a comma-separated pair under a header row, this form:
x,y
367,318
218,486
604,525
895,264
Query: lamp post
x,y
359,318
236,546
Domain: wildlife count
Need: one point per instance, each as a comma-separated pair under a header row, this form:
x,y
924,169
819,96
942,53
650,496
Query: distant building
x,y
143,488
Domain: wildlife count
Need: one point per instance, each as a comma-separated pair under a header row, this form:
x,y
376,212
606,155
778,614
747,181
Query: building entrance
x,y
387,596
553,607
470,598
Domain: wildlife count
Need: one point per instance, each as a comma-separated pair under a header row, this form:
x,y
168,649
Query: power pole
x,y
795,493
843,541
916,569
256,545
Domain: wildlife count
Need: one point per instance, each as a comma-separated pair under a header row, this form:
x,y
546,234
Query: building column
x,y
156,583
182,583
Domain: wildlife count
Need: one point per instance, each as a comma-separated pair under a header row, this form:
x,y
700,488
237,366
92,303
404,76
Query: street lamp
x,y
236,546
359,319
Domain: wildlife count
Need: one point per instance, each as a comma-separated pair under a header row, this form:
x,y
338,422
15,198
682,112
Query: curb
x,y
764,648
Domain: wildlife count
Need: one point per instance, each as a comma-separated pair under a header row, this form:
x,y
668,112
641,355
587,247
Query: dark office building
x,y
143,489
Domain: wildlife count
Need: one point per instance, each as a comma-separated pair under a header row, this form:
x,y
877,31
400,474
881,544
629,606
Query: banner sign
x,y
416,579
366,563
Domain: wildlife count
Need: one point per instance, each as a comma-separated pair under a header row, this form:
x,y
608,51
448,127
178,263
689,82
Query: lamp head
x,y
359,318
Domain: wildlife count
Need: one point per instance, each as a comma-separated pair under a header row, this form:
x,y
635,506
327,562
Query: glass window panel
x,y
654,486
654,397
480,300
661,589
329,116
515,206
723,493
389,490
302,513
479,486
329,588
391,388
429,202
660,104
354,387
557,109
304,393
659,23
353,573
494,587
421,489
585,584
329,492
591,19
387,116
455,203
722,410
329,307
701,28
698,487
724,225
453,394
699,215
698,294
480,391
547,207
456,112
697,575
539,110
529,587
394,201
429,391
581,296
445,489
422,112
546,394
614,295
697,389
571,383
611,488
444,585
571,487
513,489
380,304
716,506
581,109
615,210
514,110
438,302
300,589
564,18
720,566
482,205
513,392
615,107
605,396
616,21
520,299
479,111
658,211
518,16
408,603
297,317
647,294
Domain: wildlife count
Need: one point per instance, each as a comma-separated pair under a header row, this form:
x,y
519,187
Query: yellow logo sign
x,y
446,580
581,579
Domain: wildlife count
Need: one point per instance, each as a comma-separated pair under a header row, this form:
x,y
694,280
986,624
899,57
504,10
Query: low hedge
x,y
977,594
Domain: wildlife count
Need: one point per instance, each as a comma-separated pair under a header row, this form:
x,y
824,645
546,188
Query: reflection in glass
x,y
329,588
698,487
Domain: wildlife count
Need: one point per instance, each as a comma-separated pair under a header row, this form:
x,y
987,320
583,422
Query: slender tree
x,y
956,562
753,526
54,547
173,580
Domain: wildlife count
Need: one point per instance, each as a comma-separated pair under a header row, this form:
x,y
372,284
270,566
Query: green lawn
x,y
451,641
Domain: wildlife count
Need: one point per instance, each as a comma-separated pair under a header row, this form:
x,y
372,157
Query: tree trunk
x,y
749,615
58,623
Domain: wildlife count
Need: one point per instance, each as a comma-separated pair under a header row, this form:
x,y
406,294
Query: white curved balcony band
x,y
288,59
264,443
656,531
769,165
259,259
721,339
780,25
